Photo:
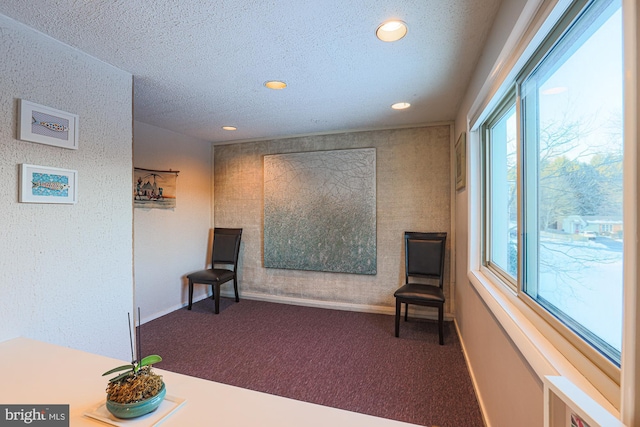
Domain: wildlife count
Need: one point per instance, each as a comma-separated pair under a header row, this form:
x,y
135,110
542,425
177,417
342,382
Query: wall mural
x,y
320,211
154,188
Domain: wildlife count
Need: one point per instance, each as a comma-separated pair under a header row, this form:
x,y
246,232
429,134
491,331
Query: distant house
x,y
573,224
604,225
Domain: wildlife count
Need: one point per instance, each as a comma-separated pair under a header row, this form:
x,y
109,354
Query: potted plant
x,y
136,390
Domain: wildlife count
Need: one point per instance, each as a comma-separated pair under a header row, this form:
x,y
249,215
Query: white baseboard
x,y
473,377
414,311
333,305
171,309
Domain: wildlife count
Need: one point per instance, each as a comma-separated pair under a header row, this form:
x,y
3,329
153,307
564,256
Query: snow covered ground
x,y
584,280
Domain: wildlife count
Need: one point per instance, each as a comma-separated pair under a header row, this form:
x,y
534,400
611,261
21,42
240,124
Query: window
x,y
502,226
565,177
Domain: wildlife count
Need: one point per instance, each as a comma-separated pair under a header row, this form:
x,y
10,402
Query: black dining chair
x,y
424,259
225,251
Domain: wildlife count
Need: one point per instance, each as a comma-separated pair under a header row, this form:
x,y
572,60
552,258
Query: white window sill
x,y
543,356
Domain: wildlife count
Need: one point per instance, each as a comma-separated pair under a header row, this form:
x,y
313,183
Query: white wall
x,y
508,389
170,243
66,270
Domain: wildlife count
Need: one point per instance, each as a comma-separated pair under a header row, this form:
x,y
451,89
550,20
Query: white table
x,y
34,372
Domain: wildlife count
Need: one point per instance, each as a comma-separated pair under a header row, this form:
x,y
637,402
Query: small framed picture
x,y
461,162
42,184
45,125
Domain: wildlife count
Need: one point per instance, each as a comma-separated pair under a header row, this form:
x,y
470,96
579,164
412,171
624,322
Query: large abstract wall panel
x,y
320,211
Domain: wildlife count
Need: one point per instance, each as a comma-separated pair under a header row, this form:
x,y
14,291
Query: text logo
x,y
34,415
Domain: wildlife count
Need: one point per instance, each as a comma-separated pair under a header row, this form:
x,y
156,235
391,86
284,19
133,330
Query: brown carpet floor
x,y
342,359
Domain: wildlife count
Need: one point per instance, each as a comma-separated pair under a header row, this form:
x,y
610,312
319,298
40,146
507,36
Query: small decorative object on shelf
x,y
137,390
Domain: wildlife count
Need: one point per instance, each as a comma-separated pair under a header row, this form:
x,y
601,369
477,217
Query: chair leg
x,y
190,294
398,305
441,324
406,311
216,296
235,288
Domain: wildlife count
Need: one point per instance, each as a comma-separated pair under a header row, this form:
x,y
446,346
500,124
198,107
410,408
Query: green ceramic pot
x,y
138,409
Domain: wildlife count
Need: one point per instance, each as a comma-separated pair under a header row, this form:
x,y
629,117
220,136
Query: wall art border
x,y
461,161
320,211
46,125
154,189
44,184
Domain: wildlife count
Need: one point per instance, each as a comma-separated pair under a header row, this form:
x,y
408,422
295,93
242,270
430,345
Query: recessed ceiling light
x,y
275,84
400,105
391,31
229,128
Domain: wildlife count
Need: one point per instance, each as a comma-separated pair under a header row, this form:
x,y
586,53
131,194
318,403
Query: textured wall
x,y
413,191
170,243
66,270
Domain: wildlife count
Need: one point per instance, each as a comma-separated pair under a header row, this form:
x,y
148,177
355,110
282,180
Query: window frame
x,y
584,350
508,102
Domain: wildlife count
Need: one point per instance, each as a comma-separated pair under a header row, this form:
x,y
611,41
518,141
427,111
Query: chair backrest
x,y
226,246
424,255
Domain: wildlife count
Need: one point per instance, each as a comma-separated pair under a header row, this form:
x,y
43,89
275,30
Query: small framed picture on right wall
x,y
461,162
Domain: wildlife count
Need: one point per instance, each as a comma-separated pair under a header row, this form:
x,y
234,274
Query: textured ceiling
x,y
200,65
